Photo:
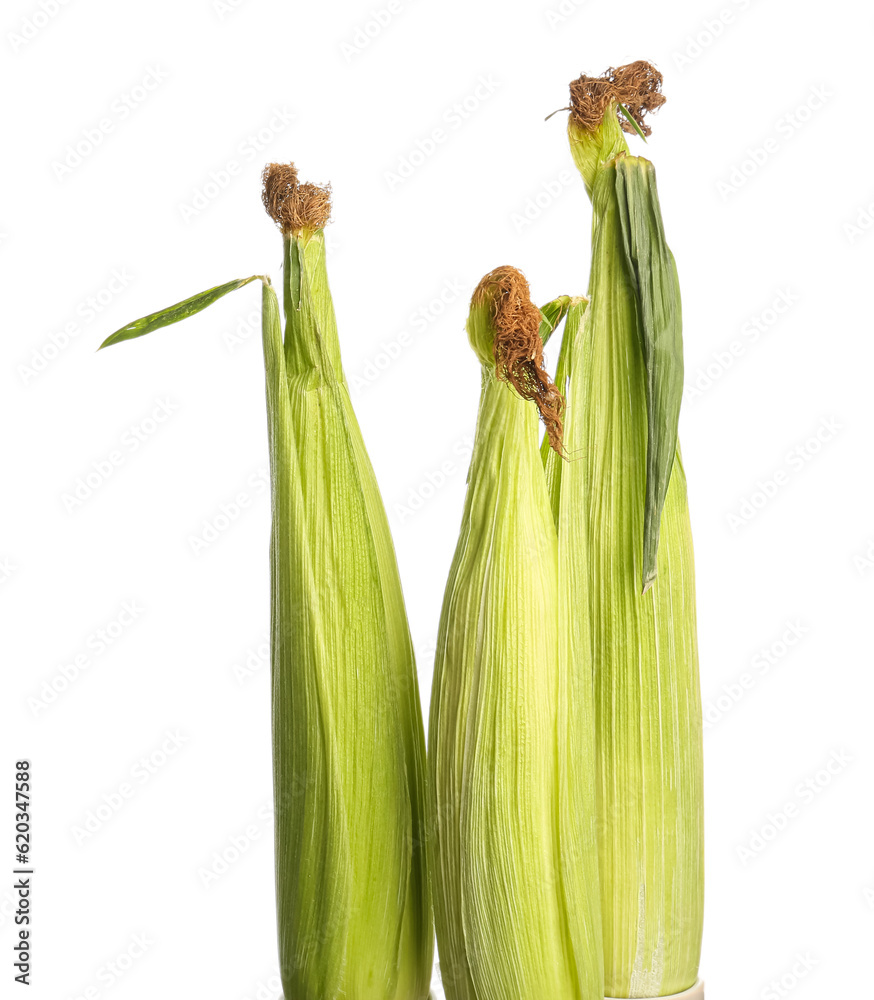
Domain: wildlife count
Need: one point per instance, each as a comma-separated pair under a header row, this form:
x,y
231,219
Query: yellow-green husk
x,y
644,647
514,864
352,890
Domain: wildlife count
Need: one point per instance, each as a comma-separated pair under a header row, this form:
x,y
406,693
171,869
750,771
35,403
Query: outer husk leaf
x,y
659,314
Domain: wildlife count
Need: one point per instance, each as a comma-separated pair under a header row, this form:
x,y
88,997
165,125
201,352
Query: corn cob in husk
x,y
352,891
514,863
621,365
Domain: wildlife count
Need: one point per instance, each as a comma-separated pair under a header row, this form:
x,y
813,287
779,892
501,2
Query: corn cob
x,y
622,367
513,866
352,891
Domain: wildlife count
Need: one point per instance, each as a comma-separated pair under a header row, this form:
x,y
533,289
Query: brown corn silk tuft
x,y
518,347
637,86
293,206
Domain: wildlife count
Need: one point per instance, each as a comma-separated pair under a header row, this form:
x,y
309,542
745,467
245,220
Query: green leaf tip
x,y
552,315
628,116
179,311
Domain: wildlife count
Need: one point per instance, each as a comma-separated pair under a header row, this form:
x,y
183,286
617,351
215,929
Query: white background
x,y
767,194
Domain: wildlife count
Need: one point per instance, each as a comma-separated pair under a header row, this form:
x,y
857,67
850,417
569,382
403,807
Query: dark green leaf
x,y
654,274
173,314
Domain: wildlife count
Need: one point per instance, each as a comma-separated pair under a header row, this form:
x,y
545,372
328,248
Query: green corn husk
x,y
352,891
622,368
514,863
354,912
565,474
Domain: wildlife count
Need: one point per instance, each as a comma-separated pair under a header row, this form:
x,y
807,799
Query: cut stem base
x,y
695,992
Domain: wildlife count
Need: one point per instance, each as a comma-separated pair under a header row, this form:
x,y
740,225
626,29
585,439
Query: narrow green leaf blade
x,y
626,114
553,313
173,314
554,464
654,274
